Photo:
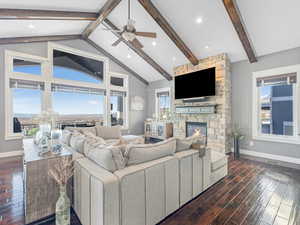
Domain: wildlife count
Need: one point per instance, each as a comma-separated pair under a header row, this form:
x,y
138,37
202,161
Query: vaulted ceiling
x,y
204,26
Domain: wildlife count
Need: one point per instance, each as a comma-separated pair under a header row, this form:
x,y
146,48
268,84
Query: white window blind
x,y
118,93
24,84
72,89
163,94
277,80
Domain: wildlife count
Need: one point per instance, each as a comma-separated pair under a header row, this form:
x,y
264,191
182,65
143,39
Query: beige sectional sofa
x,y
143,193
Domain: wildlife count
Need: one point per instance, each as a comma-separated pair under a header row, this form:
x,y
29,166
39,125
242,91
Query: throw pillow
x,y
96,138
186,143
82,130
108,157
113,132
77,142
137,154
92,143
66,137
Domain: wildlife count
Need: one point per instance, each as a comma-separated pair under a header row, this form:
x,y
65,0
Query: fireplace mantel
x,y
208,109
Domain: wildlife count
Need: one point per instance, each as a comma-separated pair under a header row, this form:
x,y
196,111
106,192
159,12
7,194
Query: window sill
x,y
291,140
13,137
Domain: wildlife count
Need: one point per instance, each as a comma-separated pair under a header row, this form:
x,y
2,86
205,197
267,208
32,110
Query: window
x,y
70,83
27,67
77,68
275,108
119,99
80,106
117,81
27,105
163,103
117,109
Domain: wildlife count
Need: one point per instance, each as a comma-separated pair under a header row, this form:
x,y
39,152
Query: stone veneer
x,y
218,124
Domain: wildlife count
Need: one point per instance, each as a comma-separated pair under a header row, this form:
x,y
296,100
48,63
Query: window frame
x,y
126,98
256,130
10,74
157,91
47,78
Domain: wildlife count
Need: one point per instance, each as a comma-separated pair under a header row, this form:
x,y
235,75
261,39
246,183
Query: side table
x,y
40,190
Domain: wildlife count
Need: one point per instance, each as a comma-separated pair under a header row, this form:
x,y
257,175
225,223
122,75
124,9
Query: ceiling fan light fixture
x,y
128,36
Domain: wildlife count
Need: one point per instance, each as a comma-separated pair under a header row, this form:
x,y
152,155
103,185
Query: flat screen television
x,y
197,84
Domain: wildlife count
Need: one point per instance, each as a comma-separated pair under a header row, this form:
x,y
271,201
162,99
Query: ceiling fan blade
x,y
146,34
136,43
111,30
117,42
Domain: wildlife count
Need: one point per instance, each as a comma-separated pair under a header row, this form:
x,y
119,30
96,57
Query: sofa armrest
x,y
96,194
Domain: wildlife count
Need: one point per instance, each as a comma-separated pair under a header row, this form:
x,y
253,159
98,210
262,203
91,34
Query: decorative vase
x,y
236,146
62,211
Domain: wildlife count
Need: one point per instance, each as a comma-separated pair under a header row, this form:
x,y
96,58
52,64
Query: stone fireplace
x,y
192,127
217,124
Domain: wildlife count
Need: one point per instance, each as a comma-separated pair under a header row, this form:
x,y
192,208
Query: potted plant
x,y
237,136
61,172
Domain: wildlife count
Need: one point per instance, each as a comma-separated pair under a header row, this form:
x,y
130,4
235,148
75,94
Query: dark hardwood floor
x,y
253,193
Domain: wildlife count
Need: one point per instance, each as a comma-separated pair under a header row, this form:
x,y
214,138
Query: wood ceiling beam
x,y
236,20
108,24
114,59
28,14
19,40
167,28
104,12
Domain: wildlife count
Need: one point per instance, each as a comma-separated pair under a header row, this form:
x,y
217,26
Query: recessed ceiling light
x,y
174,58
199,20
154,43
31,26
128,56
206,47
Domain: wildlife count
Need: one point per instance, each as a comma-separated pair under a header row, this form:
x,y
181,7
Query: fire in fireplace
x,y
193,127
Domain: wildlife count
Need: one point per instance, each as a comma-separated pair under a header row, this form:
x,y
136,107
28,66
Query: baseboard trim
x,y
270,156
11,154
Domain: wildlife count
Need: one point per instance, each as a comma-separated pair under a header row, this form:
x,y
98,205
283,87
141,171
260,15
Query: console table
x,y
40,190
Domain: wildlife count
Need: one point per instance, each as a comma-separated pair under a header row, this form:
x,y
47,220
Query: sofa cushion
x,y
108,157
218,160
77,142
113,132
137,154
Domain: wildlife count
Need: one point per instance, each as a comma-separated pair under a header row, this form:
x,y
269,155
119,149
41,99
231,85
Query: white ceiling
x,y
22,28
272,27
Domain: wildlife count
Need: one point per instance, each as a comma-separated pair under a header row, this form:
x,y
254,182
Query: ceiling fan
x,y
129,32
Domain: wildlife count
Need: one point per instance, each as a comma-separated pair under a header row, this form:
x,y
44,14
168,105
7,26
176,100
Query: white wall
x,y
136,87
